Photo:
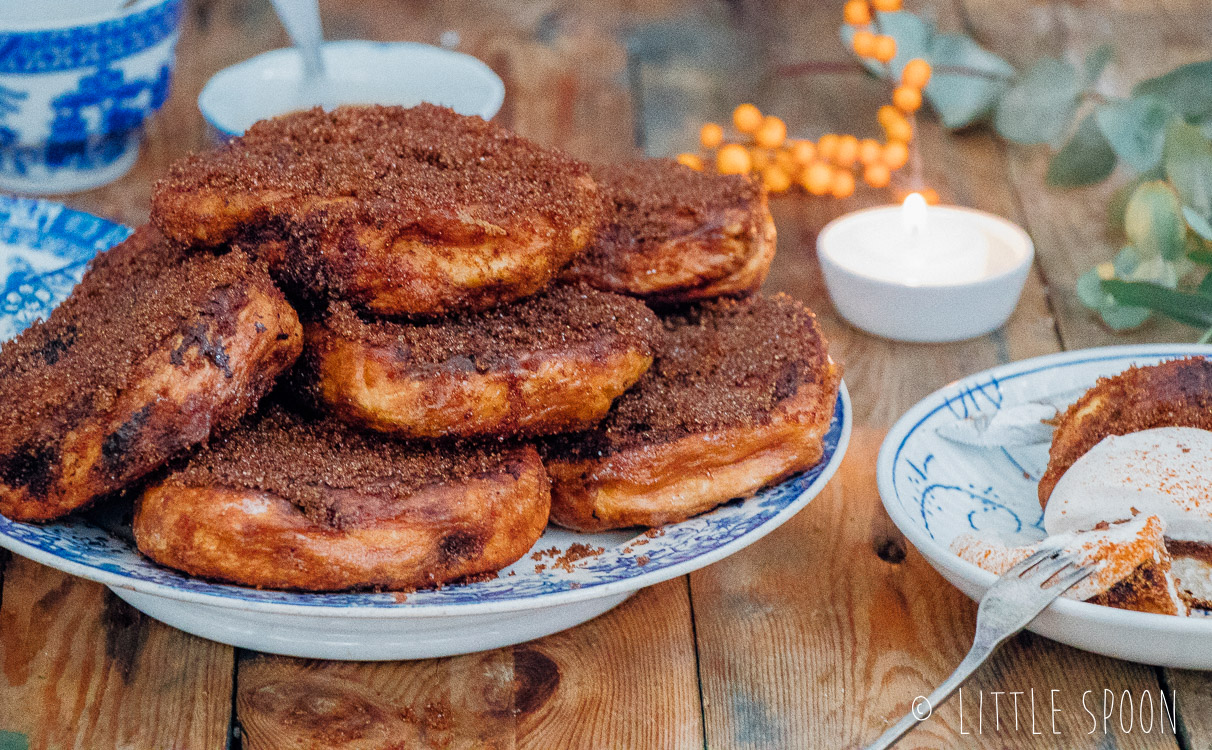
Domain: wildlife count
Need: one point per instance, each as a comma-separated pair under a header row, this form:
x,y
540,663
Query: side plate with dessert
x,y
1110,459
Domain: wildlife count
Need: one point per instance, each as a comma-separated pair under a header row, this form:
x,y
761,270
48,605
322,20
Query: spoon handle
x,y
302,21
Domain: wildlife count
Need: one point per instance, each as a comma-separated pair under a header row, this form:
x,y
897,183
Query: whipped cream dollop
x,y
1164,472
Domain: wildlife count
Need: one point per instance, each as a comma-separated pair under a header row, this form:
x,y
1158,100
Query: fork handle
x,y
976,656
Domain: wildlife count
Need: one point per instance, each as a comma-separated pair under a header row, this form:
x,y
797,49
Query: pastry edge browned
x,y
466,529
668,482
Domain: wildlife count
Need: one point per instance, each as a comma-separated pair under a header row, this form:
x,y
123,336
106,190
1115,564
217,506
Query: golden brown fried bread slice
x,y
1177,393
740,395
398,211
150,352
549,363
673,234
291,502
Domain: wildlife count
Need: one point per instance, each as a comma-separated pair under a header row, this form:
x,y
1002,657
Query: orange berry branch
x,y
829,165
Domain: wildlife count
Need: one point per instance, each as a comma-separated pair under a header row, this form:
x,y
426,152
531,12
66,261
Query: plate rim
x,y
406,609
941,557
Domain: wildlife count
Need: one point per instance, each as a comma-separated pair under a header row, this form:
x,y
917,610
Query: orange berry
x,y
877,175
711,135
864,43
847,150
899,130
857,13
884,48
771,134
916,73
869,150
888,113
759,159
887,6
907,99
694,161
733,158
818,177
785,161
842,185
803,152
747,118
776,180
826,147
896,155
931,196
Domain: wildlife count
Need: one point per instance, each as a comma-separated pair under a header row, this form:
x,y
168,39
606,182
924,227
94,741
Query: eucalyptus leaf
x,y
1087,157
1115,315
13,740
1096,62
1198,224
1199,255
960,97
1153,221
1187,157
1117,204
1123,317
1040,106
1205,286
1187,89
1126,261
1136,129
1191,309
1090,290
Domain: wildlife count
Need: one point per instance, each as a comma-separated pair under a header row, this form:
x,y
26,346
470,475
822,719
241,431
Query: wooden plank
x,y
625,679
82,669
820,636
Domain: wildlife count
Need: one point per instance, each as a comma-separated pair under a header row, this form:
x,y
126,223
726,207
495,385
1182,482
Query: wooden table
x,y
817,636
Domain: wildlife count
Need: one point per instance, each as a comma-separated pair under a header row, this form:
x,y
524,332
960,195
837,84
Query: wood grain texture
x,y
599,685
79,668
821,635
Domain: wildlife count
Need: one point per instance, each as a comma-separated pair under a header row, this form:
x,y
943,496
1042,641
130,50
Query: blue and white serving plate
x,y
936,489
44,247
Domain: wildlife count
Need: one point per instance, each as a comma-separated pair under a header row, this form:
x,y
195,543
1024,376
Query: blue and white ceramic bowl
x,y
44,247
74,94
356,72
935,490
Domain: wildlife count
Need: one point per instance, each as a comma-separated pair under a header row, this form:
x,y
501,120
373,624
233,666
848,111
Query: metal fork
x,y
1007,607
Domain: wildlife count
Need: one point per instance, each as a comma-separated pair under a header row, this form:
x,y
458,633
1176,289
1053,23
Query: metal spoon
x,y
302,21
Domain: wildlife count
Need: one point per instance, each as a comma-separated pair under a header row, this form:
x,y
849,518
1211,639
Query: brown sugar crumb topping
x,y
336,475
423,164
720,364
562,319
133,299
652,201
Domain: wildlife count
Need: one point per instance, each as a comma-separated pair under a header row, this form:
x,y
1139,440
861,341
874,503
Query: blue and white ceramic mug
x,y
75,92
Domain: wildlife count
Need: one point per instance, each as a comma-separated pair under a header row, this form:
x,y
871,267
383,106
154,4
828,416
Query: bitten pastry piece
x,y
550,363
398,211
673,234
1130,561
291,502
1177,393
740,395
150,352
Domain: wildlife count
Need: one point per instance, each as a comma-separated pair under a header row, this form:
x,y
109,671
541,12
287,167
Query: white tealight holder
x,y
924,273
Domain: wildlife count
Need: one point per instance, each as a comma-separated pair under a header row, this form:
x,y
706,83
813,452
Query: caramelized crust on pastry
x,y
291,502
150,352
550,363
398,211
1177,393
740,395
673,234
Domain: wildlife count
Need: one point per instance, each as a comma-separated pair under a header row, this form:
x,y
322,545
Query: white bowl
x,y
357,72
929,312
75,92
935,490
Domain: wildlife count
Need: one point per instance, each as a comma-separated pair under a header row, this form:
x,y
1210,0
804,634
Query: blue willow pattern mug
x,y
74,98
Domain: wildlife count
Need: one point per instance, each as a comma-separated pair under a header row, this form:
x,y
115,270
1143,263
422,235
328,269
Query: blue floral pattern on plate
x,y
47,245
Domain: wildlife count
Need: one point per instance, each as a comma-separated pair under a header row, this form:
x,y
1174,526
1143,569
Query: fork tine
x,y
1029,562
1074,576
1049,567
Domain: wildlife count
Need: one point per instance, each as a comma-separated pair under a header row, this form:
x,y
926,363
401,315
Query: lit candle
x,y
924,273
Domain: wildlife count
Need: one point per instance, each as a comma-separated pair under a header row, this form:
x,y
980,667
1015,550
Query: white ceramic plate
x,y
358,72
523,602
935,489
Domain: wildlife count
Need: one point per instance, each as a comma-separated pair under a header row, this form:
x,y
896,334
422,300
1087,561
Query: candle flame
x,y
913,213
